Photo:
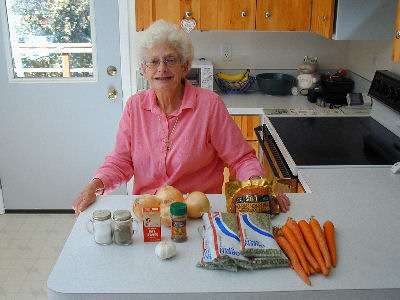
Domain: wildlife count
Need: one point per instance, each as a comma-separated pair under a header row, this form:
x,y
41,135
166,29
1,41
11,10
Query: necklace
x,y
169,141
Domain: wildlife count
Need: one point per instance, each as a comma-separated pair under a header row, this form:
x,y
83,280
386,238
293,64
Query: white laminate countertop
x,y
363,203
257,103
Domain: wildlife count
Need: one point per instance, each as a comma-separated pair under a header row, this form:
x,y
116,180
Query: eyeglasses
x,y
169,62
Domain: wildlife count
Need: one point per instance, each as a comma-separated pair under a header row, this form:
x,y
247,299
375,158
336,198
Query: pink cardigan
x,y
205,136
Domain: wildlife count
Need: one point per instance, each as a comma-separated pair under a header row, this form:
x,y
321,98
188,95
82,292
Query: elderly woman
x,y
173,134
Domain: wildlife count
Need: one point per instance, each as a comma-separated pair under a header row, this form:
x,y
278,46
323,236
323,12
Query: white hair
x,y
161,31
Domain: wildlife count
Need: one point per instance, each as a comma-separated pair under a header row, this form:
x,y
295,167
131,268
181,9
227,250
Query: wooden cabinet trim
x,y
396,41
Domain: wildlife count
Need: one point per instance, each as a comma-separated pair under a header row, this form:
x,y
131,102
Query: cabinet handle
x,y
267,14
188,14
324,18
244,14
398,34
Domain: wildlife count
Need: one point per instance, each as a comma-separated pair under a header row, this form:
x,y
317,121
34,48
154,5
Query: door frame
x,y
123,8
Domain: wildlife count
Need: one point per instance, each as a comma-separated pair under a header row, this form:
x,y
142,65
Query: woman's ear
x,y
185,68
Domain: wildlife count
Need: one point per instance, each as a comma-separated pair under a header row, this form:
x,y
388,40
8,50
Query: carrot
x,y
294,260
323,246
312,243
296,230
289,235
312,270
329,231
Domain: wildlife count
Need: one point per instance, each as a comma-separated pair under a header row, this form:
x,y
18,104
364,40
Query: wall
x,y
264,50
365,57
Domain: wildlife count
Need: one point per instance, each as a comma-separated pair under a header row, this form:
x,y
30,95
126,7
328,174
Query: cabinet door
x,y
396,42
172,11
227,14
323,14
246,124
283,15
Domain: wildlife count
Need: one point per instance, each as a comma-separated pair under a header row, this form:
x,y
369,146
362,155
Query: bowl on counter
x,y
275,83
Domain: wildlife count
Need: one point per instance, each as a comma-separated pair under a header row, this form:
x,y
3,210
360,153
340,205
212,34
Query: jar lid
x,y
178,209
101,215
121,215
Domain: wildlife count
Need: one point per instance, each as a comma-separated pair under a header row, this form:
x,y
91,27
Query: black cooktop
x,y
337,140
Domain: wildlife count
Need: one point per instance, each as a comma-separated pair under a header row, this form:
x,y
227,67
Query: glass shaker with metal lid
x,y
122,227
101,226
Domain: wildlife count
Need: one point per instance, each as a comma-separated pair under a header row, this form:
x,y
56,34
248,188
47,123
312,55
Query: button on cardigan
x,y
204,136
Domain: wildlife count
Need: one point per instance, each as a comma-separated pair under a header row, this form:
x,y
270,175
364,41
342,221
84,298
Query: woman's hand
x,y
283,202
87,196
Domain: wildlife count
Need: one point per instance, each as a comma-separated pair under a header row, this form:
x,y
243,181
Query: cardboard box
x,y
151,224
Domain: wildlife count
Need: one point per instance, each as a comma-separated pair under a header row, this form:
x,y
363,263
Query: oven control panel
x,y
385,87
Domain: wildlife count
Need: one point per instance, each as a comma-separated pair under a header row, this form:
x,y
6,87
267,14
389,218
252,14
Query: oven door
x,y
274,163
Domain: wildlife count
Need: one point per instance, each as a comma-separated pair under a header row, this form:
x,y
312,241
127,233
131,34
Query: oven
x,y
292,142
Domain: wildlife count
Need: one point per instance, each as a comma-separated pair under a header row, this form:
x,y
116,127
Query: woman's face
x,y
169,72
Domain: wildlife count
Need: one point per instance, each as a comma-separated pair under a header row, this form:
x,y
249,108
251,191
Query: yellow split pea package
x,y
254,195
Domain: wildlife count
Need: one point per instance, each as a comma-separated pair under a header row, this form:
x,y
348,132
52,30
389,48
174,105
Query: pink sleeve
x,y
231,145
117,167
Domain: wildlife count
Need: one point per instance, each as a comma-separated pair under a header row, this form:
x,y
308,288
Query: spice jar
x,y
178,221
122,227
101,226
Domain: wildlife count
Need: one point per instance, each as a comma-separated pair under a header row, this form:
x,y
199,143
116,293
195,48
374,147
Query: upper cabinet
x,y
283,15
227,14
272,15
323,14
173,11
354,19
336,19
396,42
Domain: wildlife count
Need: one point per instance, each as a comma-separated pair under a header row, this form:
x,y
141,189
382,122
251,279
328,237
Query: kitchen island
x,y
363,203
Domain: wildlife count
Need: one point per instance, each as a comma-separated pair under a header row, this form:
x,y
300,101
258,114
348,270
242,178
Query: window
x,y
50,38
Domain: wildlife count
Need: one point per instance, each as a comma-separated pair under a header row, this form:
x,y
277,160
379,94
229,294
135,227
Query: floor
x,y
29,247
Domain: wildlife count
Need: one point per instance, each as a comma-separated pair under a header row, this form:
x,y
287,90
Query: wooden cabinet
x,y
283,15
323,14
172,11
354,19
227,14
272,15
396,42
246,124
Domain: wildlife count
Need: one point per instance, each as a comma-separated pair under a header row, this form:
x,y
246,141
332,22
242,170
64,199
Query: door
x,y
56,130
283,15
323,14
227,15
396,41
172,11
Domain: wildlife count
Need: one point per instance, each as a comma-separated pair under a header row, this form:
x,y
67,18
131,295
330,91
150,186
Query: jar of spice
x,y
101,226
178,225
122,227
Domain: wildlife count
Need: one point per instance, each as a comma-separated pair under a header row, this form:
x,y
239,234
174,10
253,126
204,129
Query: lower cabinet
x,y
246,124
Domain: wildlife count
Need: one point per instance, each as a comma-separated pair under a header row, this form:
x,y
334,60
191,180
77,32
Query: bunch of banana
x,y
238,77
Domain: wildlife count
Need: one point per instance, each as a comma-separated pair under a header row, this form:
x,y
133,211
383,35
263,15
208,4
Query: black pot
x,y
275,83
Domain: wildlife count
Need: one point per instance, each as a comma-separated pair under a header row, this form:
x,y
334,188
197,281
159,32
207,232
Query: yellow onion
x,y
145,200
168,192
197,203
165,212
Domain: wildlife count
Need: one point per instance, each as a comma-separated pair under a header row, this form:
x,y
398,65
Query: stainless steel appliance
x,y
290,143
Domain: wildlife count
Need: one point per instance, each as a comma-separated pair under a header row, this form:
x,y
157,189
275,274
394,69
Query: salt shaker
x,y
101,222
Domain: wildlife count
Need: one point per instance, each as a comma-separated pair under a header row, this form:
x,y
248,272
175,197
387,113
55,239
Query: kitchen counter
x,y
257,103
363,203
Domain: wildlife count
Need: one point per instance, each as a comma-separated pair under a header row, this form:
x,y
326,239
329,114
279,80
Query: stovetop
x,y
313,141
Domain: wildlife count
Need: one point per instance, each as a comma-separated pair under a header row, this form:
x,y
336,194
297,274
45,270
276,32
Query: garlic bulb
x,y
165,249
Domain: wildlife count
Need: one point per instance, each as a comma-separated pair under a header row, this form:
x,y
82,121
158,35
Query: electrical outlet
x,y
226,51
